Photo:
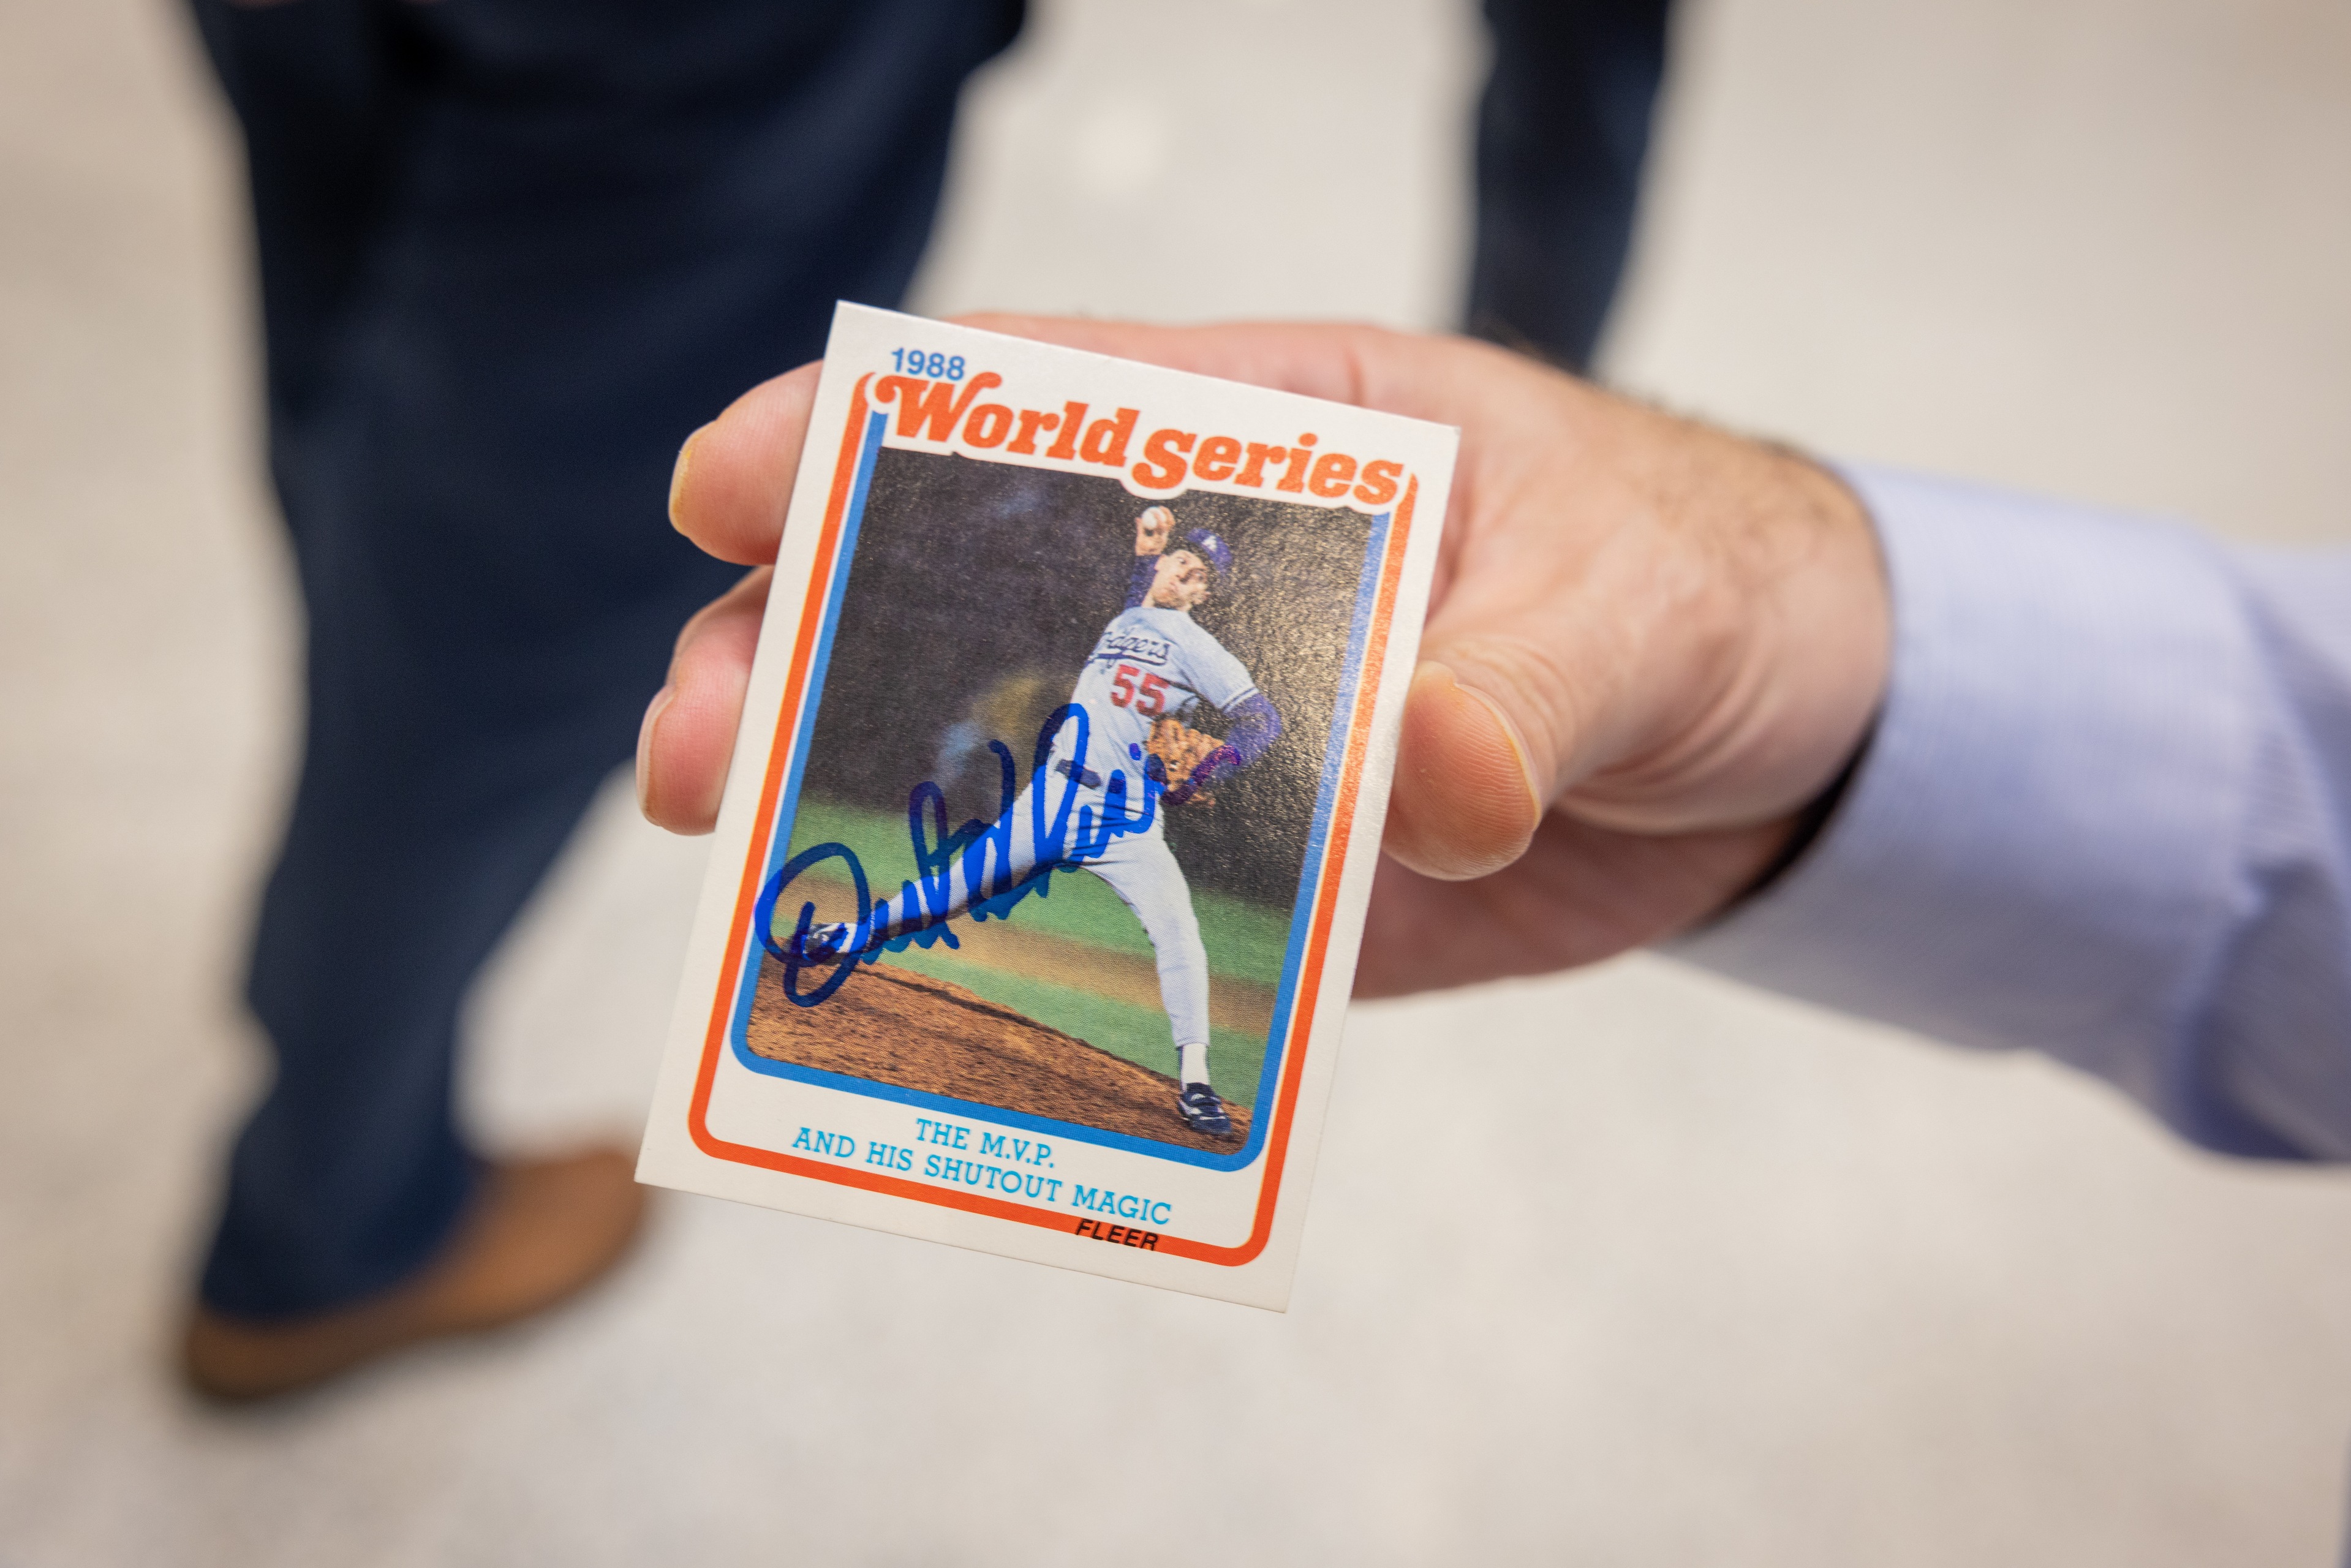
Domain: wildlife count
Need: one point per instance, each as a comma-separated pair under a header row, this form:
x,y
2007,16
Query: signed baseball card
x,y
1040,871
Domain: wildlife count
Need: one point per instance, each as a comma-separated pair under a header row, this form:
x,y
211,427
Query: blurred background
x,y
1634,1267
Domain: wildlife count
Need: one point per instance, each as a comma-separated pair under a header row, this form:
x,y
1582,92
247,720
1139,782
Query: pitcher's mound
x,y
889,1025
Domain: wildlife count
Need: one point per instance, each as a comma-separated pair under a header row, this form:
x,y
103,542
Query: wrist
x,y
1828,638
1773,657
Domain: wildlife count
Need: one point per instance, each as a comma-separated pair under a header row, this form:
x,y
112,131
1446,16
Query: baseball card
x,y
1039,879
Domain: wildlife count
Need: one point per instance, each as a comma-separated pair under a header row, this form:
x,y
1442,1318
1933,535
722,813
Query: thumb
x,y
1465,803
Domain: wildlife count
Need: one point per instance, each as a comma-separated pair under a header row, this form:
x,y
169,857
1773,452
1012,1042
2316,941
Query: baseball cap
x,y
1210,547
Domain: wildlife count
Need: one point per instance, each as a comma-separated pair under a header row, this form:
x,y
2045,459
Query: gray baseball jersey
x,y
1148,662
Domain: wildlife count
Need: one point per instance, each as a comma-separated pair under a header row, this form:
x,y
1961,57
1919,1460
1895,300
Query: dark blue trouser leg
x,y
1561,133
512,251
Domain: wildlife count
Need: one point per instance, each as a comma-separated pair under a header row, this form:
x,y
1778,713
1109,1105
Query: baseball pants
x,y
1140,868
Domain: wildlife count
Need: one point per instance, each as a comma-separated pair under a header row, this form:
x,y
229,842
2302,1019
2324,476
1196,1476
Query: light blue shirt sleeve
x,y
2104,814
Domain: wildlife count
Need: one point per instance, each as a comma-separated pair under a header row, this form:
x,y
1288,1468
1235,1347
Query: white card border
x,y
672,1153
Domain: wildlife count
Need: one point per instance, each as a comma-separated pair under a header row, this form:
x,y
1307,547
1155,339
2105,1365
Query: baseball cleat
x,y
825,939
1202,1111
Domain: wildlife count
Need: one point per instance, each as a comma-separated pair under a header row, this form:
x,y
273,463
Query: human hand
x,y
1152,527
1650,644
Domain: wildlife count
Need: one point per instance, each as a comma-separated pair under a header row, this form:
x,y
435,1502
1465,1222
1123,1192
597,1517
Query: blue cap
x,y
1211,547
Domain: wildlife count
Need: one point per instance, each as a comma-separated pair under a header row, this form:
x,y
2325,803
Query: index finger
x,y
734,476
1336,361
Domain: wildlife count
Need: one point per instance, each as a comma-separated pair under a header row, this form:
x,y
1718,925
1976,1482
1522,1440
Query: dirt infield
x,y
892,1026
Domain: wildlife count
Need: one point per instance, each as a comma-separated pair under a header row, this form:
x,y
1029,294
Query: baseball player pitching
x,y
1152,665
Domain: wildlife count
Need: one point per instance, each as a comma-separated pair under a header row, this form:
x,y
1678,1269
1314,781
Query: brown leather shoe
x,y
536,1233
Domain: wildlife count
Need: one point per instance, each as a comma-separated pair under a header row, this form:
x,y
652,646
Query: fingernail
x,y
1518,742
654,711
677,473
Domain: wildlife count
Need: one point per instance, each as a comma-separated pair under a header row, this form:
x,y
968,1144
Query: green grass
x,y
1243,939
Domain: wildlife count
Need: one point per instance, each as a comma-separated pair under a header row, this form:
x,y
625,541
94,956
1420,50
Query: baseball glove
x,y
1183,750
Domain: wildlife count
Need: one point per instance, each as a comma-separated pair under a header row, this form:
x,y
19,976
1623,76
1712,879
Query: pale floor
x,y
1634,1267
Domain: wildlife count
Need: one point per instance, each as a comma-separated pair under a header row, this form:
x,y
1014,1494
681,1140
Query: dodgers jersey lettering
x,y
1148,662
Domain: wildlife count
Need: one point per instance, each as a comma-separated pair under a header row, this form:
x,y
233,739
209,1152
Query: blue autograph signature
x,y
1075,834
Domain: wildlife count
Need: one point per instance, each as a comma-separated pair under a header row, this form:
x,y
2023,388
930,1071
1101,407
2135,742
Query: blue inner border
x,y
1301,919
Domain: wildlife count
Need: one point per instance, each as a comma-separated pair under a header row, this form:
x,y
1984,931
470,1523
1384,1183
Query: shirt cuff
x,y
2037,849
